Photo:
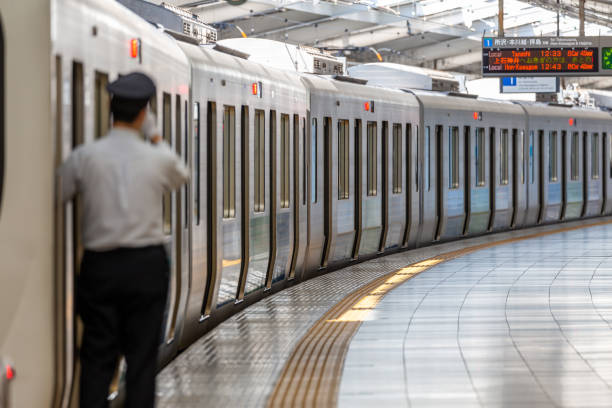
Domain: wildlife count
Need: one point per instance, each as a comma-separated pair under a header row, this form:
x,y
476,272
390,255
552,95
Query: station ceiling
x,y
439,34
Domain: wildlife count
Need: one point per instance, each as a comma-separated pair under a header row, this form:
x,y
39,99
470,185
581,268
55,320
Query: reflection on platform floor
x,y
526,324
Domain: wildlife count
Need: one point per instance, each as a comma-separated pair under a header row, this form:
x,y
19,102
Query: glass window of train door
x,y
78,138
503,156
610,155
304,162
2,107
417,168
427,158
397,158
595,156
531,167
102,105
552,156
229,161
313,160
521,151
343,159
196,137
372,158
575,154
166,135
284,161
187,163
259,161
453,152
479,155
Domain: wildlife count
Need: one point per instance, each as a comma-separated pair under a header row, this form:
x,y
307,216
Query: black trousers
x,y
121,297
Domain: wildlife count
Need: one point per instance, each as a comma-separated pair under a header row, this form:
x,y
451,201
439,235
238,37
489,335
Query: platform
x,y
521,318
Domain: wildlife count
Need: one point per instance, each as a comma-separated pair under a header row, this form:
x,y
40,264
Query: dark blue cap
x,y
132,86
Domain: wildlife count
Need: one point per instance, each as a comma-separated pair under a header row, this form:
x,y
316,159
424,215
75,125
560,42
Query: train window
x,y
313,160
166,134
397,158
503,157
595,156
574,174
102,105
229,162
259,161
426,164
479,154
343,159
284,161
531,169
196,137
372,159
552,157
453,157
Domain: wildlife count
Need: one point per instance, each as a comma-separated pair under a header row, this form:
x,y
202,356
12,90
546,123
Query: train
x,y
292,175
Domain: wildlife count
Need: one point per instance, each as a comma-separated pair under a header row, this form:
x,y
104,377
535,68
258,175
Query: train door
x,y
295,152
327,189
493,145
593,183
518,178
385,185
412,185
564,161
172,226
604,166
607,173
315,206
284,227
65,240
358,186
585,173
245,200
439,165
212,212
467,170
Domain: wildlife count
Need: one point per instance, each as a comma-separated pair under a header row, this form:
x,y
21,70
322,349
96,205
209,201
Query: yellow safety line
x,y
311,375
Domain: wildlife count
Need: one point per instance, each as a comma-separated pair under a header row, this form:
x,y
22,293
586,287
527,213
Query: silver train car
x,y
293,175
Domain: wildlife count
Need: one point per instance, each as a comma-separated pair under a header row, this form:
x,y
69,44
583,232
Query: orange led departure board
x,y
540,61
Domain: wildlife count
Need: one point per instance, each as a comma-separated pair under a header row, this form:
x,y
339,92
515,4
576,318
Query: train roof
x,y
329,85
120,18
542,109
207,59
464,102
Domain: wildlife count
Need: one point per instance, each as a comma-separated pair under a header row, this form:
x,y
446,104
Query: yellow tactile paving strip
x,y
311,375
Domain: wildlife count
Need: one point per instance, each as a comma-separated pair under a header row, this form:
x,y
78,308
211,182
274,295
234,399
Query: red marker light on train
x,y
254,88
475,115
134,48
9,372
571,121
366,106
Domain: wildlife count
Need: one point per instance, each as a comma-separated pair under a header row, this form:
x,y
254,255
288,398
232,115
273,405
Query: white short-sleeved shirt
x,y
121,180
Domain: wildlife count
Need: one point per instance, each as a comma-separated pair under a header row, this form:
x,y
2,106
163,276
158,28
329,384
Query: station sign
x,y
528,84
546,56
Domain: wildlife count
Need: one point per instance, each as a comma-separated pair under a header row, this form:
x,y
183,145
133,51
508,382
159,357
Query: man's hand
x,y
150,129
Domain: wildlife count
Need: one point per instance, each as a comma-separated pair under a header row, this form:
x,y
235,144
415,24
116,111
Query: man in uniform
x,y
123,283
